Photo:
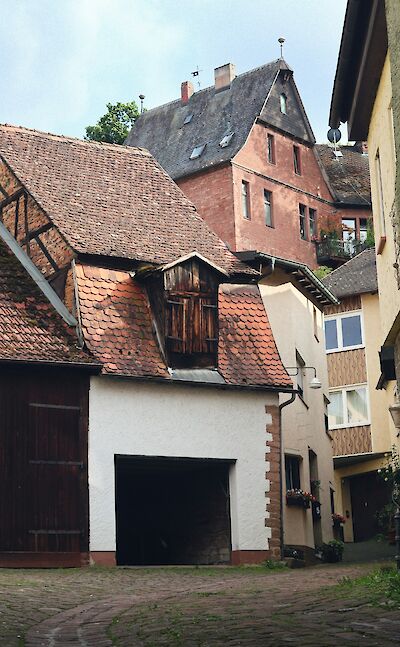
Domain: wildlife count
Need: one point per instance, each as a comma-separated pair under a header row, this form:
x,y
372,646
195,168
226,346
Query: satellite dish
x,y
334,135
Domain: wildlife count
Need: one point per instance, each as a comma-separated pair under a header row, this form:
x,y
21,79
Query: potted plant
x,y
338,519
385,521
391,475
332,551
299,498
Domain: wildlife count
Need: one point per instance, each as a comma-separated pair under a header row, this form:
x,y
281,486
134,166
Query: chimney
x,y
186,92
224,76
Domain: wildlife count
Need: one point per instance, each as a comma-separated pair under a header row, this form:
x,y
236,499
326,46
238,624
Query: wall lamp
x,y
315,382
395,413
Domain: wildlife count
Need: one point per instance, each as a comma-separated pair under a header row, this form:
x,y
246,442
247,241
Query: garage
x,y
172,510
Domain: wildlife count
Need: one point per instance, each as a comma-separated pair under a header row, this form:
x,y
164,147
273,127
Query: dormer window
x,y
283,103
226,140
184,301
197,152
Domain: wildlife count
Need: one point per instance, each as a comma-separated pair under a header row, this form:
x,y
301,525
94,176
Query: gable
x,y
295,121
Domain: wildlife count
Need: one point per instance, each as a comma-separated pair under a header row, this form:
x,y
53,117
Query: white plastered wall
x,y
291,316
135,418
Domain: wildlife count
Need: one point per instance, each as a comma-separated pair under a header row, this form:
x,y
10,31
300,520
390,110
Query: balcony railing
x,y
335,250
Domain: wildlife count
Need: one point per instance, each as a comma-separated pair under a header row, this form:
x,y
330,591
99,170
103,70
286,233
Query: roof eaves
x,y
308,275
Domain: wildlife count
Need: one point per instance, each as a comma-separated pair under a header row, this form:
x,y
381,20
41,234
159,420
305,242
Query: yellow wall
x,y
382,428
381,137
291,317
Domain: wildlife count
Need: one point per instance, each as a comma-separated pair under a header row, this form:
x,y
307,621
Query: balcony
x,y
334,252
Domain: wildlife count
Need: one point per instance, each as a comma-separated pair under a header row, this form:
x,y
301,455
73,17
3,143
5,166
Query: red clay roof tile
x,y
118,330
111,200
30,329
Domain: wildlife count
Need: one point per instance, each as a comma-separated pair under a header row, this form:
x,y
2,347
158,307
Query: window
x,y
363,229
300,364
270,148
268,208
197,152
302,222
315,323
226,140
349,234
188,119
283,103
379,188
343,332
312,219
296,160
348,407
245,200
292,472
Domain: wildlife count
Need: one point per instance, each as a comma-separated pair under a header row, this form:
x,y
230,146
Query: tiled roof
x,y
348,176
116,323
215,114
111,200
247,351
357,276
30,328
117,327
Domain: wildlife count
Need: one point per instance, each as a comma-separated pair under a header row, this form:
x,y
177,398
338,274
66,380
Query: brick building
x,y
244,153
182,440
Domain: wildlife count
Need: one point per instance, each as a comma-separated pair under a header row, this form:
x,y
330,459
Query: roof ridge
x,y
211,87
69,138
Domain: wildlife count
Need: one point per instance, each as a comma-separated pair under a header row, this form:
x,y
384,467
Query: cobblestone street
x,y
195,607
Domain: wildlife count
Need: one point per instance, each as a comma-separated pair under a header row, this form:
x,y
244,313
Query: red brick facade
x,y
217,194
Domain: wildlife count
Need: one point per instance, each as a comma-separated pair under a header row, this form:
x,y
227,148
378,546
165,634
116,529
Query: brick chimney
x,y
186,91
224,76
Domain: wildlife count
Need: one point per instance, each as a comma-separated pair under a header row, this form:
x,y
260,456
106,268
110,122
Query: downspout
x,y
281,406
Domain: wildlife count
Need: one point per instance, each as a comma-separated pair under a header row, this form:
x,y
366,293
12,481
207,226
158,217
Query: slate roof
x,y
30,329
357,276
117,326
348,176
161,130
111,200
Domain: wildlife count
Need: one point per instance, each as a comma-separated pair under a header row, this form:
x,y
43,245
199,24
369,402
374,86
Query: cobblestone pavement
x,y
189,607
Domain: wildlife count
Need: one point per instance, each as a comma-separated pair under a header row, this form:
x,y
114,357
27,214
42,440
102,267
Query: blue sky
x,y
62,61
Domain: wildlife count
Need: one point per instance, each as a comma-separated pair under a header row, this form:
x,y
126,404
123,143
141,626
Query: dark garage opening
x,y
172,511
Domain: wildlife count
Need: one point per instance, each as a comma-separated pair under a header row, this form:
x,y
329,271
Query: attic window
x,y
283,103
226,140
197,152
188,119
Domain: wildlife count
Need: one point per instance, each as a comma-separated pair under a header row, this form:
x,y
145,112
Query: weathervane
x,y
197,73
281,41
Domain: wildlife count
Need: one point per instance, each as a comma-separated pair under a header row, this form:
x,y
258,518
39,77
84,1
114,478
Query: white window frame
x,y
337,317
344,390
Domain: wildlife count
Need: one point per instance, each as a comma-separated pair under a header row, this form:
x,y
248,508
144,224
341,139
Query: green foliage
x,y
370,239
332,551
391,472
272,565
380,586
322,271
114,126
385,517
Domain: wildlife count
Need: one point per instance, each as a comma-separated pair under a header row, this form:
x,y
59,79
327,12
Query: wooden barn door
x,y
43,469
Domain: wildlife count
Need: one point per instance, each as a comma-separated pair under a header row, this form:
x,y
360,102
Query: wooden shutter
x,y
208,326
176,317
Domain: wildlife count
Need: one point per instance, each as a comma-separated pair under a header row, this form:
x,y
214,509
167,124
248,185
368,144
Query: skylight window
x,y
188,119
226,140
197,152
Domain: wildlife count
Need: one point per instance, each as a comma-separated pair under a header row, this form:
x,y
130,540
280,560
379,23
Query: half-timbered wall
x,y
31,227
43,467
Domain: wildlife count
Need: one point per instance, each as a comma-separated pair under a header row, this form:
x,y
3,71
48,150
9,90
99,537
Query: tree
x,y
114,126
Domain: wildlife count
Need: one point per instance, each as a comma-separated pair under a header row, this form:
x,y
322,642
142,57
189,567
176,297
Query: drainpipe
x,y
281,406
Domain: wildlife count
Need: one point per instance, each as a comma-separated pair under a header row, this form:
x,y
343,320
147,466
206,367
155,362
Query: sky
x,y
62,61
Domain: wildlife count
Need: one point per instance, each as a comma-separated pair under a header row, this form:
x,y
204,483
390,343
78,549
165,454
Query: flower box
x,y
298,498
